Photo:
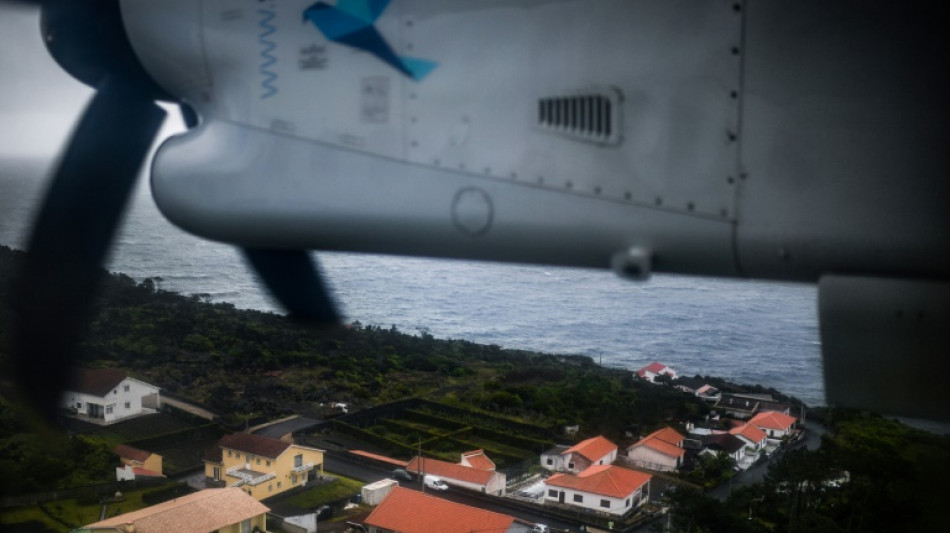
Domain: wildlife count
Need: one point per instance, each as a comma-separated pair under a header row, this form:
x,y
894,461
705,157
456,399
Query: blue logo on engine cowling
x,y
350,22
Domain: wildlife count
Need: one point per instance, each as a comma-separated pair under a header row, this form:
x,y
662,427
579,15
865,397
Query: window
x,y
570,466
258,460
217,474
229,453
605,504
293,479
128,405
270,487
278,484
298,460
579,498
550,461
126,388
628,502
108,409
78,405
268,463
552,493
246,524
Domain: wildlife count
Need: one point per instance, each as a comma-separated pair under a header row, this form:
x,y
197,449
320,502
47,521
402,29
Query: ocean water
x,y
745,331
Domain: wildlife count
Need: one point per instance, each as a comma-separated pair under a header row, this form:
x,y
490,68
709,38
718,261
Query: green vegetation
x,y
325,493
871,474
65,515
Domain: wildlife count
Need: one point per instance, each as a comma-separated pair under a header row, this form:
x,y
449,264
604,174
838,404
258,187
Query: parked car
x,y
401,474
434,483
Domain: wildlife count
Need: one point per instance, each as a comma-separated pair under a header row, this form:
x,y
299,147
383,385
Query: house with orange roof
x,y
261,466
605,488
409,511
593,451
136,463
661,450
776,425
227,510
478,460
654,369
460,475
754,437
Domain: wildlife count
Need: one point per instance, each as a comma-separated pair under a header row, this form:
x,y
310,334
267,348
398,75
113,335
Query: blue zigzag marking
x,y
352,23
269,77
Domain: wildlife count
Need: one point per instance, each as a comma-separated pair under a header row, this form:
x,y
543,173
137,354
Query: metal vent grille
x,y
590,117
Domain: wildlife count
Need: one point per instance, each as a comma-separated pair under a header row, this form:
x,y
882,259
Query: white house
x,y
459,475
754,437
776,425
605,488
654,369
661,450
554,459
107,395
593,451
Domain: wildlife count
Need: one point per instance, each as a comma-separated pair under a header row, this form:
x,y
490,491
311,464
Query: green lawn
x,y
342,487
59,513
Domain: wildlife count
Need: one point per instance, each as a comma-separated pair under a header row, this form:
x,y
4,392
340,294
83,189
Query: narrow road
x,y
363,472
755,474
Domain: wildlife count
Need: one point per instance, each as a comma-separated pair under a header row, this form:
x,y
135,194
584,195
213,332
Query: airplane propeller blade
x,y
72,235
293,278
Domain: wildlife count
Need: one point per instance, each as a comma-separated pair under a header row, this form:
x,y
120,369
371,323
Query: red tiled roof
x,y
655,367
254,444
477,459
381,458
772,420
606,480
128,452
750,432
450,471
409,511
139,471
669,435
661,446
592,449
97,382
207,510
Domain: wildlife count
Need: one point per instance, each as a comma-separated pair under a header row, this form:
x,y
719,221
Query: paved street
x,y
756,474
367,473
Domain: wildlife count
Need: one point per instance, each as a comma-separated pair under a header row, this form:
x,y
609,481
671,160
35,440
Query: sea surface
x,y
744,331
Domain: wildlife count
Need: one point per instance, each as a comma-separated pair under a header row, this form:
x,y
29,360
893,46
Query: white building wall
x,y
496,484
616,506
123,401
649,458
558,462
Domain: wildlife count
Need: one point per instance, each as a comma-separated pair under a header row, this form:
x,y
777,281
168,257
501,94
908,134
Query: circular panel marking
x,y
472,211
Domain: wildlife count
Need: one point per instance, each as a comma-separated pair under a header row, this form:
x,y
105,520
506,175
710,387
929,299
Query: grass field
x,y
65,515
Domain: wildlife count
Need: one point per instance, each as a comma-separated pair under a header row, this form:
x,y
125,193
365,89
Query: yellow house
x,y
209,511
261,466
137,463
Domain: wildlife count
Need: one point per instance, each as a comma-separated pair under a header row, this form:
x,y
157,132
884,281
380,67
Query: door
x,y
560,497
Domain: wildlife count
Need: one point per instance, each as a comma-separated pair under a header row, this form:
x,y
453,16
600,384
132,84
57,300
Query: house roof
x,y
139,471
723,442
96,381
477,459
660,445
254,444
592,449
750,432
772,420
409,511
655,367
707,389
606,480
668,434
135,454
207,510
450,471
381,458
